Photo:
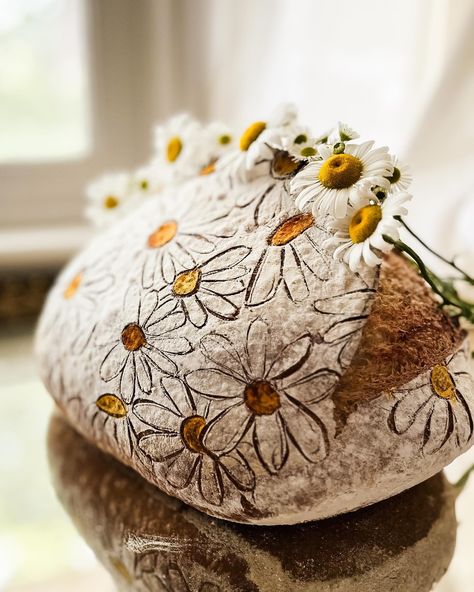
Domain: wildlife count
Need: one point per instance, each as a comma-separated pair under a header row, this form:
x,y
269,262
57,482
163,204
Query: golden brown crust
x,y
406,333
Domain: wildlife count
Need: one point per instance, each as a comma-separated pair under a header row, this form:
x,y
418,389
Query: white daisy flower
x,y
300,144
147,180
327,183
342,133
217,140
109,197
360,234
256,141
177,147
401,178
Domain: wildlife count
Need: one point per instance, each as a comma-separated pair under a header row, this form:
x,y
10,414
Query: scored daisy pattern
x,y
145,341
175,440
434,406
271,398
327,183
178,239
79,292
268,196
211,287
292,258
347,313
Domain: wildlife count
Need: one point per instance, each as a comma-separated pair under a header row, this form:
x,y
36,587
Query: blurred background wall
x,y
81,84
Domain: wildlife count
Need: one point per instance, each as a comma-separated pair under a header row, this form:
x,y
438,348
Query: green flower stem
x,y
444,289
461,484
450,262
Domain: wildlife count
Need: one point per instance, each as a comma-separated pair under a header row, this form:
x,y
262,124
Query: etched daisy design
x,y
433,405
178,241
211,287
255,142
268,195
327,183
346,313
272,399
145,341
175,439
80,290
360,235
292,259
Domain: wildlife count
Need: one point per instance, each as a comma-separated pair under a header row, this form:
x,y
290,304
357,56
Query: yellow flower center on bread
x,y
72,287
364,223
191,433
133,337
209,168
187,282
283,165
290,229
112,405
173,150
163,234
110,202
442,382
340,171
261,398
251,134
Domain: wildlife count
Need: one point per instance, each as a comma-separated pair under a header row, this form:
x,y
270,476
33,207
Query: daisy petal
x,y
269,438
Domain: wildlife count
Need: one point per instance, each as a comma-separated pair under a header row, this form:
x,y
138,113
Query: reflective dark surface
x,y
151,542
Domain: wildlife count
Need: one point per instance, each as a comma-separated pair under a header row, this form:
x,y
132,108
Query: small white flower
x,y
359,235
327,183
401,178
299,144
109,197
342,133
177,147
256,142
217,140
147,180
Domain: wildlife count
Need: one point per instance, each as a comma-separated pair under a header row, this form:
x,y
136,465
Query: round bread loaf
x,y
210,342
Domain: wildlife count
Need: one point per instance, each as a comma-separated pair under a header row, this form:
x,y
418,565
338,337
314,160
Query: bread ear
x,y
406,333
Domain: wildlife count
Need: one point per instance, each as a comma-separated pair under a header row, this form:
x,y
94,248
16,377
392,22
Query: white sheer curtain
x,y
400,72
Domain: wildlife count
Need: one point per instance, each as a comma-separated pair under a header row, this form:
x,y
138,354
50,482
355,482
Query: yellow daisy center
x,y
261,398
364,222
72,287
191,433
163,235
133,337
283,164
251,134
173,150
442,382
144,184
290,229
111,202
187,282
112,405
340,171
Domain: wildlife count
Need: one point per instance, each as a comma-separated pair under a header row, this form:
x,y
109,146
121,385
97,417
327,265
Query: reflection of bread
x,y
406,334
145,538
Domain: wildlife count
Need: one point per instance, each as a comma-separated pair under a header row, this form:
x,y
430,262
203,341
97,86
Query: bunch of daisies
x,y
356,190
183,149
